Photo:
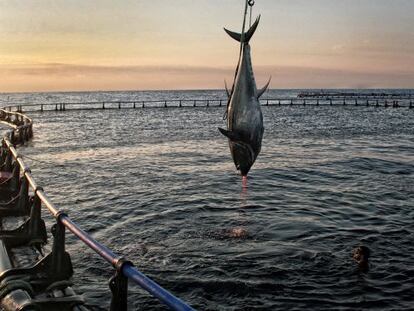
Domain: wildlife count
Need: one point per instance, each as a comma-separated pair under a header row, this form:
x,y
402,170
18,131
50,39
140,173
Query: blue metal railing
x,y
127,269
123,266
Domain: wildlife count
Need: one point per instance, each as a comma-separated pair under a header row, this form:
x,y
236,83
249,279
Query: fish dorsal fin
x,y
232,135
227,89
263,90
247,36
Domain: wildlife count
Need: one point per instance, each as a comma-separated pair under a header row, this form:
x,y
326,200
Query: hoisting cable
x,y
249,3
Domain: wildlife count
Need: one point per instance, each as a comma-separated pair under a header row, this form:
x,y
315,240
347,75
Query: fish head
x,y
243,156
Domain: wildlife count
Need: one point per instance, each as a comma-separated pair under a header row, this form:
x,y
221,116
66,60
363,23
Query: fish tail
x,y
247,36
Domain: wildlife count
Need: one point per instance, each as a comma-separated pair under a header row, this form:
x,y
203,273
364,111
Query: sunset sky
x,y
52,45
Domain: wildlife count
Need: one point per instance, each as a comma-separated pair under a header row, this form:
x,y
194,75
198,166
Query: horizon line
x,y
199,89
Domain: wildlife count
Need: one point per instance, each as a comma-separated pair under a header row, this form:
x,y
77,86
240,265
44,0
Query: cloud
x,y
59,69
72,77
315,77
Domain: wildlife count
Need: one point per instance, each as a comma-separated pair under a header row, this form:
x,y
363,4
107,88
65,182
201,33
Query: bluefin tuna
x,y
244,116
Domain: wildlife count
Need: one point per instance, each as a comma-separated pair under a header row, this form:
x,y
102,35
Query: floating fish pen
x,y
325,101
372,95
31,278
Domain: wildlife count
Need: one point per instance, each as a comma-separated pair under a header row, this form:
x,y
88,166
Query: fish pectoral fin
x,y
247,36
263,90
227,89
232,135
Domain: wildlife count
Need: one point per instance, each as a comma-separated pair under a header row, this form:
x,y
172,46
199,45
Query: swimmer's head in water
x,y
238,233
361,256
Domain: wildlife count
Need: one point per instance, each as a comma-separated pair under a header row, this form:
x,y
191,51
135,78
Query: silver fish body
x,y
244,115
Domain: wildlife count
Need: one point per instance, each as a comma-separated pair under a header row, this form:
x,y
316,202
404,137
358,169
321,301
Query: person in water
x,y
361,256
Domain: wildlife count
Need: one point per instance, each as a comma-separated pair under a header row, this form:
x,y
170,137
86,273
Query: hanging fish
x,y
244,115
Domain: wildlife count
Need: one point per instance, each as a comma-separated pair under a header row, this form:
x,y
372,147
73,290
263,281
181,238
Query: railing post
x,y
37,226
58,248
119,287
8,163
23,204
61,262
21,136
31,130
3,155
26,134
13,137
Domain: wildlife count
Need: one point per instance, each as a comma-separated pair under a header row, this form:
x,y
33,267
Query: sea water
x,y
158,186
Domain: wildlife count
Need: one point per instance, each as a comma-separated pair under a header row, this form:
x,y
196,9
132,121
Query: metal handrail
x,y
118,262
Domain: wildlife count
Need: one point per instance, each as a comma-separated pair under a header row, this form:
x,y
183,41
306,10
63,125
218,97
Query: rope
x,y
249,3
39,161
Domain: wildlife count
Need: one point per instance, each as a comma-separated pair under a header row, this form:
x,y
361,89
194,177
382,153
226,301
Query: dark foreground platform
x,y
32,278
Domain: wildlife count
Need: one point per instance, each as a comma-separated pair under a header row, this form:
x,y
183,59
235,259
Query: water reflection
x,y
163,178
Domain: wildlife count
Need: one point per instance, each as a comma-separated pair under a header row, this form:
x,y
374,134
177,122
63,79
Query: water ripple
x,y
158,185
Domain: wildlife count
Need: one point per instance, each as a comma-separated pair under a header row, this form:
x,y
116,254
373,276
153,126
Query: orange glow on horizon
x,y
89,45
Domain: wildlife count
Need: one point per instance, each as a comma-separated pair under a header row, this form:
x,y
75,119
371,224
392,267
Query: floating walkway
x,y
400,101
365,95
30,278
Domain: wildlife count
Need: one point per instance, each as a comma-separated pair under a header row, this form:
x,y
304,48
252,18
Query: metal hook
x,y
250,3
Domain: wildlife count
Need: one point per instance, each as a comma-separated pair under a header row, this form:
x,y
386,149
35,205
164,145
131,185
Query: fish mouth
x,y
243,156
